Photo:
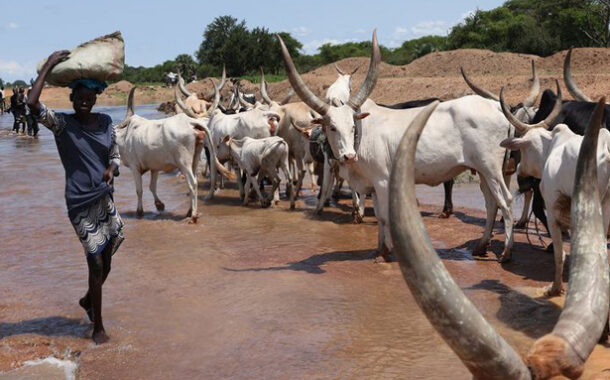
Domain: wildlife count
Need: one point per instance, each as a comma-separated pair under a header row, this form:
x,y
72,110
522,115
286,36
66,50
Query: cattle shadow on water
x,y
47,326
314,263
534,317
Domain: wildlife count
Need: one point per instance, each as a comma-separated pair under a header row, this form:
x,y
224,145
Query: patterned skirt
x,y
98,225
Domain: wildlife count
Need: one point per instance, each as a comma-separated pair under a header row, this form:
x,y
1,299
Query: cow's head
x,y
340,122
534,139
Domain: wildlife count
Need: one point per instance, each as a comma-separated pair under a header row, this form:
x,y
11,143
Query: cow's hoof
x,y
139,213
552,290
193,219
504,258
521,225
265,203
356,217
480,251
160,206
445,214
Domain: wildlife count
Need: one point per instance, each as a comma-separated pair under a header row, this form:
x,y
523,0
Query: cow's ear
x,y
514,143
361,116
318,120
226,139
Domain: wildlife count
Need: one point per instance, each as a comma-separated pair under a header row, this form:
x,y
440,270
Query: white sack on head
x,y
101,59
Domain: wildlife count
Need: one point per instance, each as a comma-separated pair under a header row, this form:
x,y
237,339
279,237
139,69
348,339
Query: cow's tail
x,y
511,133
215,165
130,111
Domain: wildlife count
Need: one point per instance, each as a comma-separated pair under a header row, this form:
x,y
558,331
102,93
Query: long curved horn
x,y
585,313
188,112
223,80
216,101
530,101
567,78
289,95
524,127
182,87
264,95
371,77
341,72
243,101
478,90
130,112
457,320
302,130
299,86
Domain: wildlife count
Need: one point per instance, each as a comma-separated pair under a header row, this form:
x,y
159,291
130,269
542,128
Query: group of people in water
x,y
22,114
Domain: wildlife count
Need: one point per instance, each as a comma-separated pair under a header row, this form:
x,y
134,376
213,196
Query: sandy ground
x,y
247,293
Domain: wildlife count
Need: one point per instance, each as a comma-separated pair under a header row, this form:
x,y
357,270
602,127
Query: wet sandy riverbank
x,y
247,292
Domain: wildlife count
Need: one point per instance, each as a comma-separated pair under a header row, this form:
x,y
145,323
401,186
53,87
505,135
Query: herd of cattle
x,y
383,151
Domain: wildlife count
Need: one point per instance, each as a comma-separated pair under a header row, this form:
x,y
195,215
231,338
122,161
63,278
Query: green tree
x,y
225,41
186,65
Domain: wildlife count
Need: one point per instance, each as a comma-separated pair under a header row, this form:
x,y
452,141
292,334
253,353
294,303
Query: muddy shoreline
x,y
247,292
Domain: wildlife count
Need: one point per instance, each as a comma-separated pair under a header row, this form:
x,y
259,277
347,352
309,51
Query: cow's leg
x,y
557,286
357,212
381,201
137,177
275,186
448,206
490,206
527,202
264,201
327,179
240,183
289,189
154,176
246,200
309,169
300,176
191,182
503,199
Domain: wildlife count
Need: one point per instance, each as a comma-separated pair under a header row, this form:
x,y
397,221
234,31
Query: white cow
x,y
551,156
162,145
255,123
260,158
462,134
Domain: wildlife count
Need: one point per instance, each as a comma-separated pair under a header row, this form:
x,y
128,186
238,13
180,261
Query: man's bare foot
x,y
100,337
85,303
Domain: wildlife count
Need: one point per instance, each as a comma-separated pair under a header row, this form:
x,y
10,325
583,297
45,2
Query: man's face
x,y
83,99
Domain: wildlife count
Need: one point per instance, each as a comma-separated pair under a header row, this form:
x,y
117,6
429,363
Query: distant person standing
x,y
18,108
2,105
31,118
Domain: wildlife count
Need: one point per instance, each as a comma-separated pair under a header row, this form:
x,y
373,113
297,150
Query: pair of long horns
x,y
265,95
209,96
528,102
316,103
522,127
485,353
341,72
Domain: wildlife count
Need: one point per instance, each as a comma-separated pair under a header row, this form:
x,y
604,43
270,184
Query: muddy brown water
x,y
247,292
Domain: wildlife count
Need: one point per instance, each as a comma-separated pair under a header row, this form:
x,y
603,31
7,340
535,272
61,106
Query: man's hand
x,y
109,174
57,57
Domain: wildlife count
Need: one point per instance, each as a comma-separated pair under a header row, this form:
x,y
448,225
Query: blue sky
x,y
154,31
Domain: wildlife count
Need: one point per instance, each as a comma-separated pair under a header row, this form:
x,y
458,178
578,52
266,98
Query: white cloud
x,y
301,31
311,47
12,25
400,33
11,70
430,28
466,14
